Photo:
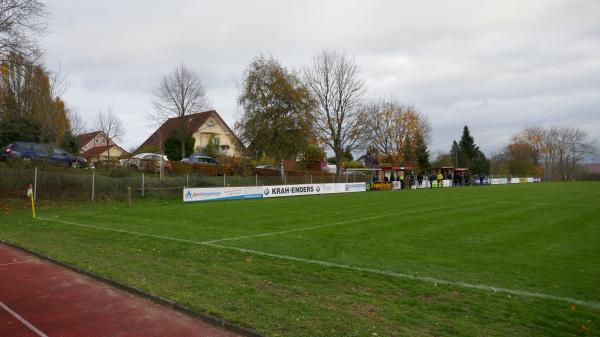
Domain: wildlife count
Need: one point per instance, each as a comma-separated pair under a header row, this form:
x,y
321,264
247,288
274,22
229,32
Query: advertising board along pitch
x,y
311,189
236,193
221,193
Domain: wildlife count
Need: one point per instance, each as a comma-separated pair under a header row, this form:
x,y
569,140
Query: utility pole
x,y
456,159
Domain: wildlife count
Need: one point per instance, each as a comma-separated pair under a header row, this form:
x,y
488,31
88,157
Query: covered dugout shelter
x,y
387,177
454,176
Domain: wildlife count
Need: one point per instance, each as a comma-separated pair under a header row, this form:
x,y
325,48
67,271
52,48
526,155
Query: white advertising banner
x,y
252,192
515,180
498,181
290,190
311,189
221,193
446,183
354,187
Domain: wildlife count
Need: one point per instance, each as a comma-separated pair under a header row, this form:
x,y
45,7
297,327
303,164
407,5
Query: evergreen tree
x,y
467,149
422,152
70,143
211,149
481,165
467,154
348,154
455,153
173,146
18,129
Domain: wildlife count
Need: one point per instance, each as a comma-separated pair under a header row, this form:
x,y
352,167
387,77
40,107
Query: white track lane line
x,y
11,263
22,320
425,279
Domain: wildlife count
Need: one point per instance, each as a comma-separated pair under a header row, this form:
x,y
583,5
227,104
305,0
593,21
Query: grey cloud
x,y
495,66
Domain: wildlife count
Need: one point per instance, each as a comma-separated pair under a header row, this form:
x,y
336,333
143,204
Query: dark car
x,y
193,159
42,152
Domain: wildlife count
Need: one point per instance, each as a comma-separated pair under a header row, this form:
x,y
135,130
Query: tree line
x,y
554,153
294,114
31,108
285,114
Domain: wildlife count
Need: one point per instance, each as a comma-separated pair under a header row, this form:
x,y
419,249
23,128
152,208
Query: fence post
x,y
311,178
143,181
187,180
93,184
35,184
129,196
256,179
224,185
162,171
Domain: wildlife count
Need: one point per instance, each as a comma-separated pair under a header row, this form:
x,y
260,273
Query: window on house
x,y
216,141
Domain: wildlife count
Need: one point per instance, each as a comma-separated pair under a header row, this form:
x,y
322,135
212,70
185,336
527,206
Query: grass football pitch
x,y
515,260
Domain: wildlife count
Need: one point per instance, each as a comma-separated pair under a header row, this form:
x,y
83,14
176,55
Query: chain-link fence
x,y
56,183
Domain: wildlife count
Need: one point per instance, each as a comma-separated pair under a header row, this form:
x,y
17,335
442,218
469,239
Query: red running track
x,y
40,298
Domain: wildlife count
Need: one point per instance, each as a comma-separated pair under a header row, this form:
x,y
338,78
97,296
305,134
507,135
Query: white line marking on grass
x,y
425,279
120,230
324,225
22,320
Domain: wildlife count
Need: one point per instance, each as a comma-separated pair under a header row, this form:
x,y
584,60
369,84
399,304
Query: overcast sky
x,y
493,65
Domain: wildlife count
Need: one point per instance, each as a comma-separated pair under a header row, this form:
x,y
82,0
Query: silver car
x,y
143,161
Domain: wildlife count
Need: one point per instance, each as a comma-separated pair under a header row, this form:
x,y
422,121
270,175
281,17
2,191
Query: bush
x,y
120,172
353,164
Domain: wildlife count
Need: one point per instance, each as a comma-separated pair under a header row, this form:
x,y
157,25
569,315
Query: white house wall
x,y
205,133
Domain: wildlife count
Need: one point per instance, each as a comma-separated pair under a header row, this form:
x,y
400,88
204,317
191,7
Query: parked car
x,y
42,152
329,168
194,159
145,161
267,167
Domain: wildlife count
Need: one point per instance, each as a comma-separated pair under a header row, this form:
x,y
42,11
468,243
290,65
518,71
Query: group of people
x,y
458,179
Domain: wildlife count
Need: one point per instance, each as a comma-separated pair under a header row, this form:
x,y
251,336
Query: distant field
x,y
518,260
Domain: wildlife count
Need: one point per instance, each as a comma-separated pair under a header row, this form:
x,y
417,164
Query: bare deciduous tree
x,y
393,128
111,127
180,94
77,124
560,149
334,81
20,21
156,119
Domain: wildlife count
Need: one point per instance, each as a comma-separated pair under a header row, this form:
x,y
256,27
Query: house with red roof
x,y
205,127
96,146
